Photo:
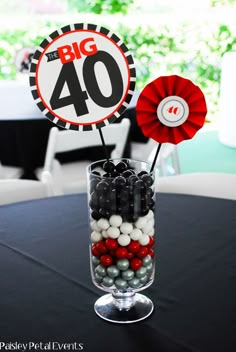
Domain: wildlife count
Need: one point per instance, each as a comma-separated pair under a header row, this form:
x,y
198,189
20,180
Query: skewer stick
x,y
155,158
104,144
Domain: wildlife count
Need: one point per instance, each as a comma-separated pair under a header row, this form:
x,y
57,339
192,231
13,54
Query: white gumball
x,y
104,234
94,226
113,232
126,228
103,224
141,222
144,240
136,234
96,236
148,227
150,214
151,233
124,240
115,220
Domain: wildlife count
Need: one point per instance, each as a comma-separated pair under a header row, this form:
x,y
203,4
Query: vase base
x,y
106,309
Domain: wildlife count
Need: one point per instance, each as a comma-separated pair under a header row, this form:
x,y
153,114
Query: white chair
x,y
17,190
168,158
71,177
217,185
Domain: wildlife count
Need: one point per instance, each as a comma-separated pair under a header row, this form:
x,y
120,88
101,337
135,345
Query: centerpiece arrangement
x,y
82,77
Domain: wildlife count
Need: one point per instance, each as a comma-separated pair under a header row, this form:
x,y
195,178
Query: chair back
x,y
16,190
68,140
217,185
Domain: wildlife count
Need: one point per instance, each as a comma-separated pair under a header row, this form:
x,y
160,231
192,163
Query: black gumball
x,y
144,211
114,174
118,182
108,166
93,183
147,179
121,166
132,179
127,173
104,202
149,192
95,215
141,173
140,185
102,186
94,200
105,213
151,203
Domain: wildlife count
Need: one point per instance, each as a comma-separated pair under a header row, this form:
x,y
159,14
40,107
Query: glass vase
x,y
121,198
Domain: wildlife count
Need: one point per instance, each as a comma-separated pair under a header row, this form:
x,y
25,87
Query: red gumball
x,y
106,260
101,247
151,242
130,255
134,246
121,252
111,243
143,252
95,251
151,252
135,263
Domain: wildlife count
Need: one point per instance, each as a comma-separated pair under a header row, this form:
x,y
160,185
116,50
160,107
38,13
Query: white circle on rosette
x,y
173,111
48,72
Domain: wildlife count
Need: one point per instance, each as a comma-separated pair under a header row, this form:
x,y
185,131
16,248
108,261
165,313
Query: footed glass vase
x,y
121,200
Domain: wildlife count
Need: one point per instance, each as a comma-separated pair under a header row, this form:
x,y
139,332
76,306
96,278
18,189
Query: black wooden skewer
x,y
155,158
104,144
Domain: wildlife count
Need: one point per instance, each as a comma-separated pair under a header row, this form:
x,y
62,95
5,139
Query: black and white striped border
x,y
35,60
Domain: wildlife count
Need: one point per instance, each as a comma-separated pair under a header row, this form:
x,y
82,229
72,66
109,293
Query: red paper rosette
x,y
171,109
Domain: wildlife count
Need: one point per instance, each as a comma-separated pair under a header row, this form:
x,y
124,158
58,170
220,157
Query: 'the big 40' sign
x,y
82,77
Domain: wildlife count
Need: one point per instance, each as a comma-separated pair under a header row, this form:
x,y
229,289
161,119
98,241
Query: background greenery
x,y
168,47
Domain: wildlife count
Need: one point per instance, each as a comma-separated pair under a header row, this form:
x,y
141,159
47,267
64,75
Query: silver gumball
x,y
127,274
107,281
141,272
143,279
134,283
100,270
98,278
149,268
147,260
122,264
95,261
113,271
121,284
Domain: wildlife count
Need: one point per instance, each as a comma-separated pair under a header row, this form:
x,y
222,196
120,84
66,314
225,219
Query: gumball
x,y
143,252
101,247
94,226
121,252
141,272
95,251
123,240
147,260
144,279
127,274
126,228
140,185
134,247
151,252
106,260
107,281
95,261
119,181
121,166
148,227
102,186
134,283
141,222
123,264
111,243
141,173
135,234
147,179
108,166
127,173
105,213
103,224
149,268
151,242
113,271
130,255
144,240
98,278
113,232
135,263
115,220
152,232
150,214
100,270
96,236
120,284
95,215
104,234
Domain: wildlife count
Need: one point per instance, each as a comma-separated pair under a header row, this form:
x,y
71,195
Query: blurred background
x,y
180,37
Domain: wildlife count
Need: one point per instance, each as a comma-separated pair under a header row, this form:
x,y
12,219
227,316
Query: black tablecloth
x,y
46,293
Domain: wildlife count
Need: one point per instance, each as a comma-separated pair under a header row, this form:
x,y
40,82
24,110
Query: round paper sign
x,y
82,77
